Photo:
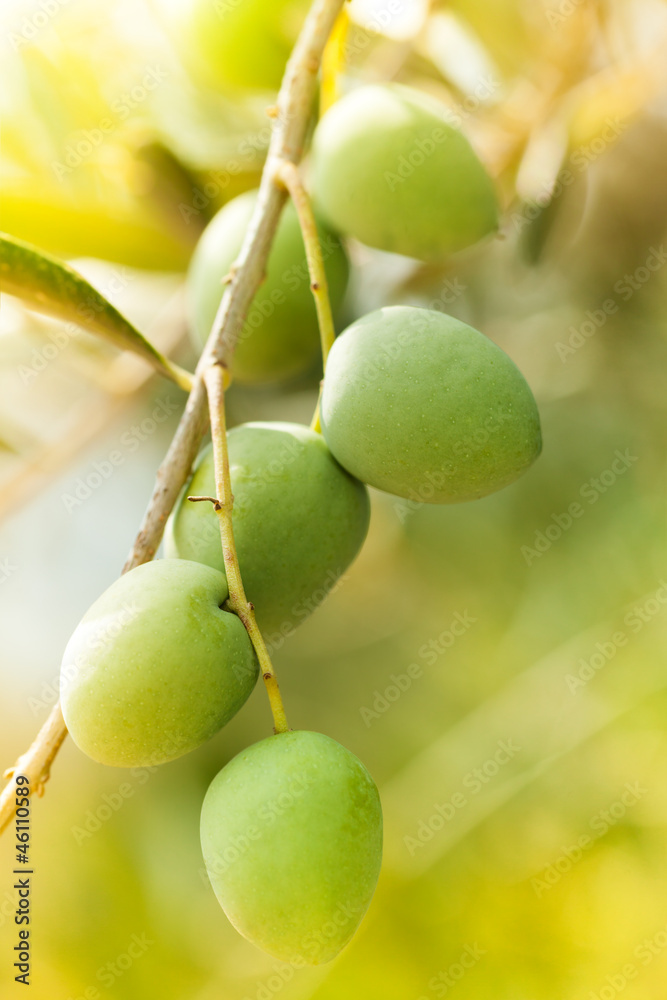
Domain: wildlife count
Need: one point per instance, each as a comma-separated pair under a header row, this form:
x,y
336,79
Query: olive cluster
x,y
414,403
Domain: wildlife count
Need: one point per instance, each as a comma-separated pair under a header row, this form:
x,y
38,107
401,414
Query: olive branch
x,y
280,177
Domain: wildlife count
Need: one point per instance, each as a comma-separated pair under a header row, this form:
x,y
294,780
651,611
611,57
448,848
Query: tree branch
x,y
290,117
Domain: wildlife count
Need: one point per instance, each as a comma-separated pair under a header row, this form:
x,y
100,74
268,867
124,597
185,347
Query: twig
x,y
289,175
214,377
35,763
290,123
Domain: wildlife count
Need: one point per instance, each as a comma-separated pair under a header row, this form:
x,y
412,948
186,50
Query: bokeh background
x,y
533,872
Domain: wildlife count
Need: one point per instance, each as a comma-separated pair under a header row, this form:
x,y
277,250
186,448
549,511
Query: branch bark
x,y
290,122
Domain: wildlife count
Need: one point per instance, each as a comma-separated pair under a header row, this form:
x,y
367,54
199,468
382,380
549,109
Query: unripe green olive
x,y
291,832
389,169
155,667
280,336
427,408
299,520
234,44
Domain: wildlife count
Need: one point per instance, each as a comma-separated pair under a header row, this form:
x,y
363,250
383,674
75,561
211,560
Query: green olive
x,y
390,169
291,832
427,408
299,520
155,667
280,337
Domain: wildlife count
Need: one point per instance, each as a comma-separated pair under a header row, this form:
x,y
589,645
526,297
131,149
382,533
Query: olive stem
x,y
215,377
290,124
288,174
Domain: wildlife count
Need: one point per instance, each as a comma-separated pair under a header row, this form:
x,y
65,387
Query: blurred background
x,y
499,666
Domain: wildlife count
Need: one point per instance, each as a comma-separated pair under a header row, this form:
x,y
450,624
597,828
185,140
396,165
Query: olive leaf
x,y
52,287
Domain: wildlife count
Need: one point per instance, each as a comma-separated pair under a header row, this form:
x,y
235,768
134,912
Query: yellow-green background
x,y
475,883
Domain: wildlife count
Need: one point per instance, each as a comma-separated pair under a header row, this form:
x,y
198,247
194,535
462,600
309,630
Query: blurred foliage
x,y
565,102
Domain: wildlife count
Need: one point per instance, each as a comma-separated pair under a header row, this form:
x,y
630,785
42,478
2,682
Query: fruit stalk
x,y
223,504
290,123
288,174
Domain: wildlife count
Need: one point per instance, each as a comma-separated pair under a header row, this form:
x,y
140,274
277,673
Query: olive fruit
x,y
291,833
155,667
280,336
389,169
299,520
232,44
427,408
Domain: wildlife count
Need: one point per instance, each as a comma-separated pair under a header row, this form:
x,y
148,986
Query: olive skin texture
x,y
280,337
391,171
155,667
423,406
291,833
299,520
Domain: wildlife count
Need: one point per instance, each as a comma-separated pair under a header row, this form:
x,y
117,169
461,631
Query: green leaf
x,y
49,286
